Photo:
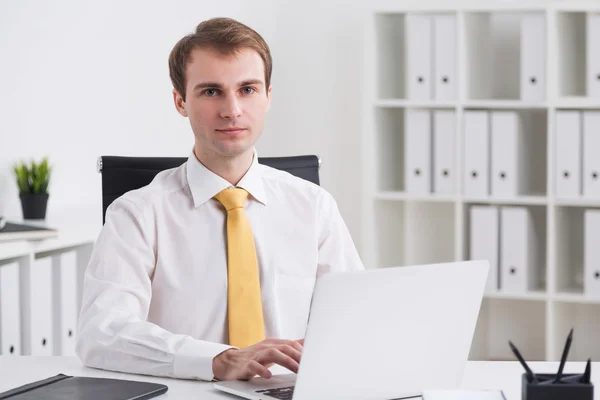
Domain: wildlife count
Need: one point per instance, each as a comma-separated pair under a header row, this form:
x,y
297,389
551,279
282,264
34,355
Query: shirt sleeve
x,y
113,332
336,247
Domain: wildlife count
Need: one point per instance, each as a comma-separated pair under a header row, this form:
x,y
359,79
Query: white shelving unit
x,y
403,228
41,283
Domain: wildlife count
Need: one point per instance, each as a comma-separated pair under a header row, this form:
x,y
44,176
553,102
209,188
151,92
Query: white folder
x,y
593,55
477,153
568,154
591,158
40,301
10,310
418,151
533,57
445,50
444,139
519,270
591,280
65,304
419,50
484,241
509,149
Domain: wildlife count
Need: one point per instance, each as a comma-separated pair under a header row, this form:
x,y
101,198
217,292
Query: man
x,y
208,272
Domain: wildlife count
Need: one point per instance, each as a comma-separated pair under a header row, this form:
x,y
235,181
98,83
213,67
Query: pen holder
x,y
556,391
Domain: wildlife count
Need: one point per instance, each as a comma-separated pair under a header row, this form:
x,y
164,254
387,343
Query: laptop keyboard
x,y
284,393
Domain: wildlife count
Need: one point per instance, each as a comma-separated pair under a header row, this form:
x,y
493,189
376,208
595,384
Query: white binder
x,y
519,271
591,280
40,301
418,151
445,51
419,43
477,153
444,135
484,241
509,148
65,304
591,160
533,57
593,55
568,154
10,310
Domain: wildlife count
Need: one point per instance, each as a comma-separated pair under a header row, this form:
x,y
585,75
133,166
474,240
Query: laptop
x,y
382,334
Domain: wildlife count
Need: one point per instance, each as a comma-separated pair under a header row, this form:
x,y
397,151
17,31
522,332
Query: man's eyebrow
x,y
214,85
251,82
204,85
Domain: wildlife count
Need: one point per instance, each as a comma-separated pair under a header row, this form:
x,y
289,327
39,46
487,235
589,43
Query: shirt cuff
x,y
194,359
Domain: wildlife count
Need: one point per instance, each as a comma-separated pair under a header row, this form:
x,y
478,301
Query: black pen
x,y
588,371
530,375
563,359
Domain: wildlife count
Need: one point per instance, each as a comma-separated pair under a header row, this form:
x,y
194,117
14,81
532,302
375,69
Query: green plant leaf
x,y
33,178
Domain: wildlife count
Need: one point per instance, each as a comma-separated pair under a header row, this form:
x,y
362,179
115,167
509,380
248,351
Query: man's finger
x,y
290,351
294,344
277,357
300,341
255,368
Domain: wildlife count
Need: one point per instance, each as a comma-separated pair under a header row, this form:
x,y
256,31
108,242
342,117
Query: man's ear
x,y
270,97
179,103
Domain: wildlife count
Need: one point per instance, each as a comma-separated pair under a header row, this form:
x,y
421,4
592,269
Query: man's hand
x,y
255,360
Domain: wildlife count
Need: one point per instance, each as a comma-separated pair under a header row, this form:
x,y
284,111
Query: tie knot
x,y
232,198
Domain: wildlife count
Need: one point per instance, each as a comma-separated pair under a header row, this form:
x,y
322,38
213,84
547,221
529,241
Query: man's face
x,y
226,101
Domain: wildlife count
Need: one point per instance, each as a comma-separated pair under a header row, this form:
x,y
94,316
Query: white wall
x,y
79,79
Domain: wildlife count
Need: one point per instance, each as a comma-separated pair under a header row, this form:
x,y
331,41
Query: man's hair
x,y
224,35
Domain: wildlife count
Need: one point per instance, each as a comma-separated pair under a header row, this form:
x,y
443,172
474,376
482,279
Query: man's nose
x,y
231,108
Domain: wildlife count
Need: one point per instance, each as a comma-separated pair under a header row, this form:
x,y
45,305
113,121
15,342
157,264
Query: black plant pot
x,y
34,205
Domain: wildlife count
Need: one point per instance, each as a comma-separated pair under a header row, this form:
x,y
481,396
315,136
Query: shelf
x,y
576,6
531,296
575,296
577,202
526,6
442,198
504,104
403,103
583,103
504,7
403,196
386,11
521,200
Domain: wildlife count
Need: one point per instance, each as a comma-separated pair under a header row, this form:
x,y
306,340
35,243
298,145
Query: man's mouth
x,y
231,131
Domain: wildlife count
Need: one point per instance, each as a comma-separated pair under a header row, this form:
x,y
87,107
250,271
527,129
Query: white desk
x,y
17,371
76,227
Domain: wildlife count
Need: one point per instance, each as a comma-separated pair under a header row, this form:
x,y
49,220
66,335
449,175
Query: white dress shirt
x,y
155,290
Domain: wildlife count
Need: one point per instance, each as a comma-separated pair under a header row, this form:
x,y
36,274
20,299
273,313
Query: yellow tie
x,y
244,304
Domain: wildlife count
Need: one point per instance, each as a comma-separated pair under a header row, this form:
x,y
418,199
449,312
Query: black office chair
x,y
122,174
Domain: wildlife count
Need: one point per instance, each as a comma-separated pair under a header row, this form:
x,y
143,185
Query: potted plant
x,y
33,180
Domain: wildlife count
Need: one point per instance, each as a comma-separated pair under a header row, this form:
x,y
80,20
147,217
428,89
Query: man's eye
x,y
210,92
248,90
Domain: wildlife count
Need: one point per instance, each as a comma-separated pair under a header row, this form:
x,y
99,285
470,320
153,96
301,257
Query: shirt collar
x,y
205,184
